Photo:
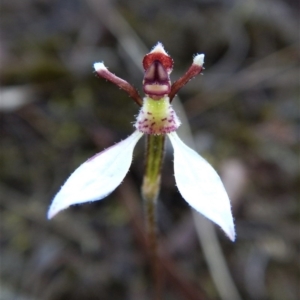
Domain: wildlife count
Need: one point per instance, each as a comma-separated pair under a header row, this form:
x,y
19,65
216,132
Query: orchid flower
x,y
197,181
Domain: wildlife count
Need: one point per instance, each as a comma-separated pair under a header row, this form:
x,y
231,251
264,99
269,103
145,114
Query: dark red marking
x,y
164,59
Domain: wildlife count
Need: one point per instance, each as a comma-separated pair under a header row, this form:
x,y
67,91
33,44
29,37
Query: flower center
x,y
157,117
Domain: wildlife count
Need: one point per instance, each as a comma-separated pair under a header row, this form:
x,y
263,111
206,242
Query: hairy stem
x,y
150,190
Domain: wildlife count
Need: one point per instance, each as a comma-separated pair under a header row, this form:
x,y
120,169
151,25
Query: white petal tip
x,y
159,48
225,221
50,214
231,234
199,60
55,208
99,66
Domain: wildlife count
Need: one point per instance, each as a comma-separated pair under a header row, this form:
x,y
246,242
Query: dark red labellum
x,y
156,82
164,59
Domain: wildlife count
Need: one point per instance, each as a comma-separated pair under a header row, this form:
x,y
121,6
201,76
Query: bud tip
x,y
159,48
99,66
199,60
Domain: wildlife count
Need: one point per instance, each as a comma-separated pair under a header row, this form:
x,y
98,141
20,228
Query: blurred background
x,y
244,117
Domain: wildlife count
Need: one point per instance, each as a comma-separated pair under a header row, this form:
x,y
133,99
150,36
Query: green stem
x,y
150,190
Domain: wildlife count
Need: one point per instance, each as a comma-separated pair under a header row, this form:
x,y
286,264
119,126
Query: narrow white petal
x,y
200,185
97,177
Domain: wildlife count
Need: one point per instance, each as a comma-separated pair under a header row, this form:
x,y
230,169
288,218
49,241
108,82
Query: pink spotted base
x,y
151,123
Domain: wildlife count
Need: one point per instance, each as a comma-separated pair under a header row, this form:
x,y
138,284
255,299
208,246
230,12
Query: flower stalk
x,y
154,158
150,190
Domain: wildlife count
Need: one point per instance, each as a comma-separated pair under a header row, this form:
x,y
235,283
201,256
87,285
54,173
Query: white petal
x,y
97,177
200,185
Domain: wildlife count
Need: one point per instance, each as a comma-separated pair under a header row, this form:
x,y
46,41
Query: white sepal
x,y
201,186
97,177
